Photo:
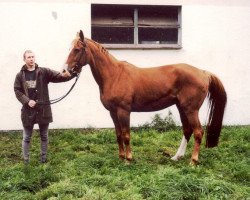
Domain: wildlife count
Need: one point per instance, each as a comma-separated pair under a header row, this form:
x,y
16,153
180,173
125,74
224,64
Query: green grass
x,y
84,164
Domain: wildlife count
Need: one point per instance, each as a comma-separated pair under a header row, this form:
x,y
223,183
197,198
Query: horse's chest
x,y
105,101
113,100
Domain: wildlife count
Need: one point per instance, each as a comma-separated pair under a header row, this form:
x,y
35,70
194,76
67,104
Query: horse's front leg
x,y
124,121
118,134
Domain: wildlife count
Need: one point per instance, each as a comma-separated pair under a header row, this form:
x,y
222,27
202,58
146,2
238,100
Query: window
x,y
133,26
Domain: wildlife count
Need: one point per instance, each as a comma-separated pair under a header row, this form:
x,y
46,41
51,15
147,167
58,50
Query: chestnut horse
x,y
125,88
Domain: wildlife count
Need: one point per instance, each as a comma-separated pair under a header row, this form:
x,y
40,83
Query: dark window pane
x,y
158,36
112,15
170,12
116,11
113,35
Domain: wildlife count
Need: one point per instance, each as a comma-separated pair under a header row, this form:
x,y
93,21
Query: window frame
x,y
136,44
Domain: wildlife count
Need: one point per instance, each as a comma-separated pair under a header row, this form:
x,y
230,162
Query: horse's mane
x,y
99,46
102,49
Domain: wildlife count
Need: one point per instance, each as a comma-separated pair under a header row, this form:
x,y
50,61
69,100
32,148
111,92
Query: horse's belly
x,y
153,105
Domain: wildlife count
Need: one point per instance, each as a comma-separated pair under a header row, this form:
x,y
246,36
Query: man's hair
x,y
27,51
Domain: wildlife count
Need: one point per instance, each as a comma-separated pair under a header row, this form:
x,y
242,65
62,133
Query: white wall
x,y
215,37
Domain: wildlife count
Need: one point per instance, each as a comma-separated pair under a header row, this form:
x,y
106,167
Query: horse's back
x,y
181,73
155,88
171,69
175,76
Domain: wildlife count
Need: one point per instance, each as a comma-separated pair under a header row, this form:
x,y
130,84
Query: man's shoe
x,y
26,161
43,160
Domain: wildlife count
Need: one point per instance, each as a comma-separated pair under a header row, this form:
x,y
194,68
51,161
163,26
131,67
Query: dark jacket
x,y
41,114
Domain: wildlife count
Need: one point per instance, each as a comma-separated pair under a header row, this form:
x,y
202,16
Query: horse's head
x,y
77,57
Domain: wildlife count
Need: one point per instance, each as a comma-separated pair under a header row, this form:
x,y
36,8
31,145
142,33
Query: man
x,y
31,86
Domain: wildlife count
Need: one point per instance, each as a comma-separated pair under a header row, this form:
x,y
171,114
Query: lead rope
x,y
53,101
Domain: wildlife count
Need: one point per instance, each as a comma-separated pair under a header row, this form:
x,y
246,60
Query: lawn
x,y
84,164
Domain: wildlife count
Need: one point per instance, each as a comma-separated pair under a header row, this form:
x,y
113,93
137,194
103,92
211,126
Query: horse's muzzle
x,y
65,71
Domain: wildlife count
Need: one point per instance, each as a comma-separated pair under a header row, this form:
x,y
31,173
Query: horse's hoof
x,y
176,158
122,157
194,162
129,158
127,162
165,153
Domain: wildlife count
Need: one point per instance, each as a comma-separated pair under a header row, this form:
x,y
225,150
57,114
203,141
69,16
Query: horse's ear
x,y
81,36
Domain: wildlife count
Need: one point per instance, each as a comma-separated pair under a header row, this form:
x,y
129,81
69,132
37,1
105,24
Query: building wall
x,y
215,37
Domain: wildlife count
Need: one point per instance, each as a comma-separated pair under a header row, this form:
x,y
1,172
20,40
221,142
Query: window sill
x,y
142,46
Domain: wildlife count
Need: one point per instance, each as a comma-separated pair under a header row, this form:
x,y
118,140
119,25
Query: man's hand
x,y
65,73
32,103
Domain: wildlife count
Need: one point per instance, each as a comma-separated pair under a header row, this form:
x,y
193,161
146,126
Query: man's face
x,y
29,59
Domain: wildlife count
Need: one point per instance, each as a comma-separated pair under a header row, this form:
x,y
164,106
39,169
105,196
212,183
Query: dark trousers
x,y
27,133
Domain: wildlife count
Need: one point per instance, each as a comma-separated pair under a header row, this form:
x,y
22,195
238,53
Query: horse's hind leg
x,y
194,121
187,132
181,150
118,135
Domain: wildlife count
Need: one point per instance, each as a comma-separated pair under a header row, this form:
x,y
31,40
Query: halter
x,y
77,69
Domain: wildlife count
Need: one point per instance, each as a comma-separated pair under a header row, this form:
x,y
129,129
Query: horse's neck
x,y
103,65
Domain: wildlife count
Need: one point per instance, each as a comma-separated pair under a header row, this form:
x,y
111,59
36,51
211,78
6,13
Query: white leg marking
x,y
181,150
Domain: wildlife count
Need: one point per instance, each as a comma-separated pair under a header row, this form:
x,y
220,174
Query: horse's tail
x,y
217,103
